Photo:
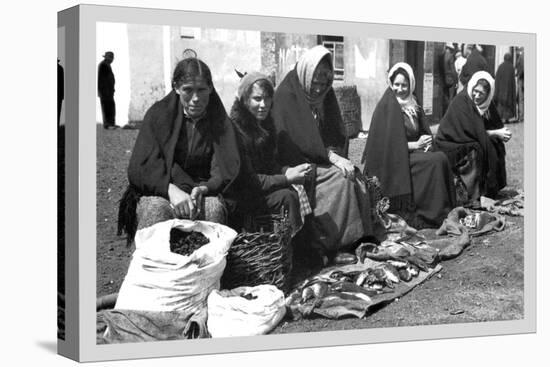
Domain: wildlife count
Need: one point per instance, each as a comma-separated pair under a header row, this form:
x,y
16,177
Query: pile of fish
x,y
351,289
373,281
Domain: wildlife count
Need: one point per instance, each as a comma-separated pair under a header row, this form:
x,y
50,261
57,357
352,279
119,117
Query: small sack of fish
x,y
245,311
175,266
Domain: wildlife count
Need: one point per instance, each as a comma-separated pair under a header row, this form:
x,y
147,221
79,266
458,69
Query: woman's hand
x,y
504,134
425,142
297,175
197,196
345,165
182,202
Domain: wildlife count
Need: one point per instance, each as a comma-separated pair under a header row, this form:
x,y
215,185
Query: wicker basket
x,y
261,254
349,102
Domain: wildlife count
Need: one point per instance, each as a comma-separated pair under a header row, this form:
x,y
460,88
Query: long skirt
x,y
154,209
433,187
470,173
500,171
342,213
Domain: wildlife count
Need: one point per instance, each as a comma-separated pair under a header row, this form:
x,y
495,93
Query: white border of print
x,y
87,256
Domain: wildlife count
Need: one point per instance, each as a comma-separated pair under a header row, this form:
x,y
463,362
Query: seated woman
x,y
265,187
418,181
310,129
184,156
472,136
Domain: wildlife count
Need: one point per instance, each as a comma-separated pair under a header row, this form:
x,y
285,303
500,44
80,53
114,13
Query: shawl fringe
x,y
127,216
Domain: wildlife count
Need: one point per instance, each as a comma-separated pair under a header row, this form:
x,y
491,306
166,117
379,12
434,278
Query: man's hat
x,y
109,53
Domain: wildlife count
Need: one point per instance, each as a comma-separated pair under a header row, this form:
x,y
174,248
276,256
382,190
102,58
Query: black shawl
x,y
462,129
299,138
386,153
151,164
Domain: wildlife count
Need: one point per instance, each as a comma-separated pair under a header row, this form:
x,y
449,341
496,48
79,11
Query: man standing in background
x,y
519,73
450,77
460,60
474,62
106,90
505,89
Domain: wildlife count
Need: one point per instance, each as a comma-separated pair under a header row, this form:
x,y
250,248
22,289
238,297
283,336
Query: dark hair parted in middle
x,y
485,85
256,135
402,72
189,69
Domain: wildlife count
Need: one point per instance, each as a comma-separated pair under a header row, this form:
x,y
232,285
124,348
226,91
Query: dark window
x,y
335,44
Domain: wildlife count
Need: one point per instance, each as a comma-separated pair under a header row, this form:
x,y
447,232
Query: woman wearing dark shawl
x,y
505,89
185,155
264,186
418,181
310,129
472,136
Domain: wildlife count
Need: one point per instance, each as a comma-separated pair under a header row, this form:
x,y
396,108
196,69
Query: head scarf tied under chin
x,y
408,104
305,67
248,80
484,107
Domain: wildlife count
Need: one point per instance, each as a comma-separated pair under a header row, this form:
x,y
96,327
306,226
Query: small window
x,y
190,33
335,45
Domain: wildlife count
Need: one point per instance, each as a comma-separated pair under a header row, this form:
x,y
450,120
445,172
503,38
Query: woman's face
x,y
322,79
400,86
194,96
479,94
259,102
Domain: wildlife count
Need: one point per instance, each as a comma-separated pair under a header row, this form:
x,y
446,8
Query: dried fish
x,y
319,289
307,294
398,264
390,272
405,275
413,270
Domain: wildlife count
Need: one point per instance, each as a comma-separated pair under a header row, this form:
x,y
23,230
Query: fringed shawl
x,y
150,168
386,153
463,129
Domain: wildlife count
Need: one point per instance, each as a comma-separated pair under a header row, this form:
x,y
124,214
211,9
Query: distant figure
x,y
106,90
60,90
460,60
450,77
474,62
505,89
519,73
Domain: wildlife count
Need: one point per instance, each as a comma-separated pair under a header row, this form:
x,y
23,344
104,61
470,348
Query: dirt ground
x,y
485,283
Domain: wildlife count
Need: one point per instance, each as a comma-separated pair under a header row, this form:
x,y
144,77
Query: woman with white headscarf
x,y
309,129
472,136
417,180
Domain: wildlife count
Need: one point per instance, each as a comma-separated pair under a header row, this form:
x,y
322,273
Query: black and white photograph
x,y
254,182
231,183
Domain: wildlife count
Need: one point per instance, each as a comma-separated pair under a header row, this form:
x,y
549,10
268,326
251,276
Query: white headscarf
x,y
482,109
305,67
408,104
